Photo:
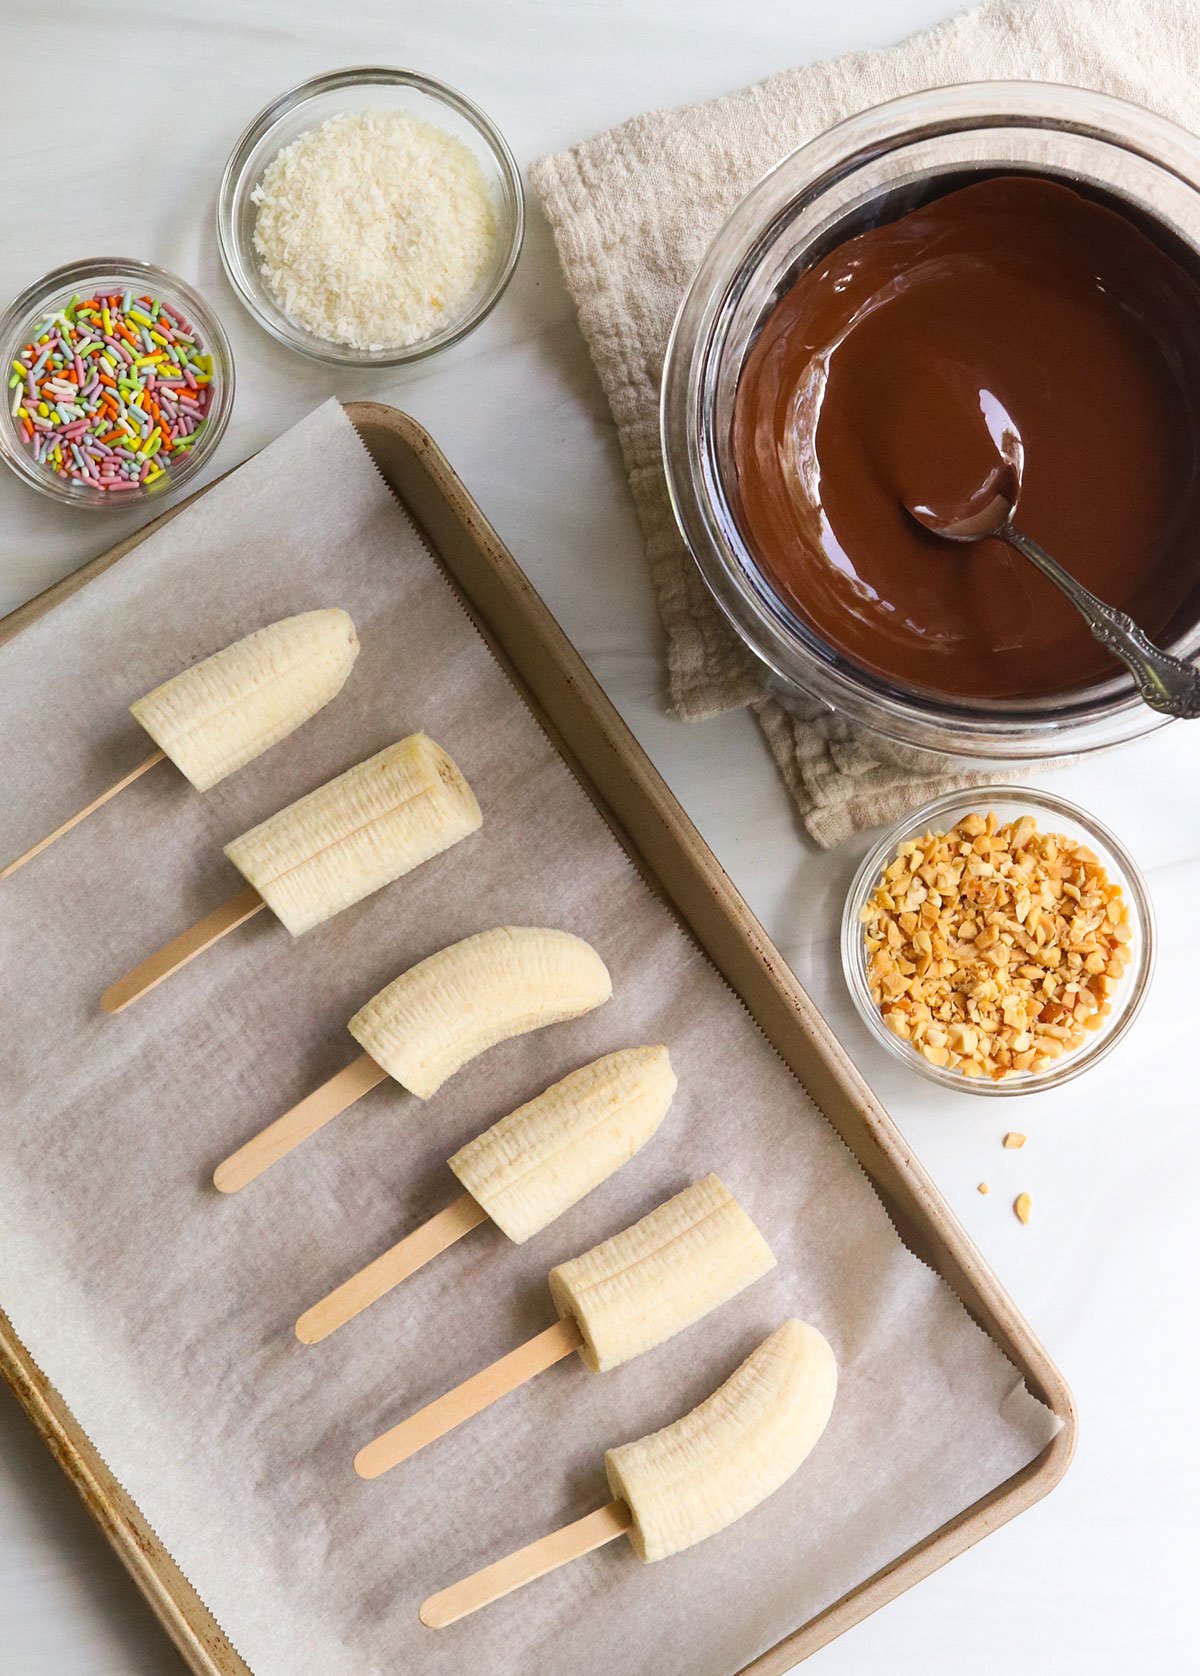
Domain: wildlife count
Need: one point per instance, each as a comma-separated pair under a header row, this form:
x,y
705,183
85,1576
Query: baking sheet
x,y
163,1313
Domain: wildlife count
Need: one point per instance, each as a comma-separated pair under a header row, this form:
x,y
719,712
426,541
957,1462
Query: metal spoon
x,y
1165,683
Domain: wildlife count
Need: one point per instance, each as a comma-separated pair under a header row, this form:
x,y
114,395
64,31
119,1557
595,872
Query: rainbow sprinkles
x,y
111,389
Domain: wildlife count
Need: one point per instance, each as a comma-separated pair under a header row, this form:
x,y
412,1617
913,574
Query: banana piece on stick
x,y
323,853
357,833
435,1017
228,709
231,707
541,1159
691,1479
683,1484
523,1172
470,996
642,1286
628,1294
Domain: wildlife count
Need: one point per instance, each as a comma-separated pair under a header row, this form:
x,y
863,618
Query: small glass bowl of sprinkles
x,y
118,383
999,941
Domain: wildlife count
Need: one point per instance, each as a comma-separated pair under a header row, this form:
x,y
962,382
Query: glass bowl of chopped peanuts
x,y
998,940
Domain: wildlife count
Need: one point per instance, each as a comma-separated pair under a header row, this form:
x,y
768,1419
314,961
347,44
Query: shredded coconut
x,y
375,229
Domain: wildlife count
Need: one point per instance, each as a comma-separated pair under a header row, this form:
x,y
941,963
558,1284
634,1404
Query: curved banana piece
x,y
357,833
544,1157
228,709
692,1478
638,1288
447,1009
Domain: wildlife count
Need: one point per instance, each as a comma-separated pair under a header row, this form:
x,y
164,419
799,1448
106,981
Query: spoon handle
x,y
1165,683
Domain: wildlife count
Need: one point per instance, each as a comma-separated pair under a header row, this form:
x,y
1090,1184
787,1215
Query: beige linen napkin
x,y
633,211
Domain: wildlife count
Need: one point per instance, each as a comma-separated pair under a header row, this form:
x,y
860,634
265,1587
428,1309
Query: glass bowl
x,y
1052,814
37,302
306,107
875,166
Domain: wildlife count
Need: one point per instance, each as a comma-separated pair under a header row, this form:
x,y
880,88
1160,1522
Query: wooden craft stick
x,y
82,814
312,1113
377,1278
471,1397
181,949
547,1554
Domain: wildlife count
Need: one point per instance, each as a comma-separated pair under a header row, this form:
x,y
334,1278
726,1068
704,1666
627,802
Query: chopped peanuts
x,y
1014,1139
995,949
1023,1208
983,1187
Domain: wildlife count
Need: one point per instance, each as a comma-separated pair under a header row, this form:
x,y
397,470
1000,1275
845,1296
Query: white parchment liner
x,y
163,1313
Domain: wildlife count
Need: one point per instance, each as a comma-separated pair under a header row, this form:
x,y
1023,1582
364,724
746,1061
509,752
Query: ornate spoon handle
x,y
1165,683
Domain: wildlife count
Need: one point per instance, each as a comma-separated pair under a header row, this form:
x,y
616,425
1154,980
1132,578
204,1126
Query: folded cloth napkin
x,y
633,211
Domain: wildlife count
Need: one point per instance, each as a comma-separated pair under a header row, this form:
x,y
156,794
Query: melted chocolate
x,y
884,377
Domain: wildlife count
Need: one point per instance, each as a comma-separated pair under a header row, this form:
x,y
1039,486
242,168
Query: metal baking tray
x,y
678,865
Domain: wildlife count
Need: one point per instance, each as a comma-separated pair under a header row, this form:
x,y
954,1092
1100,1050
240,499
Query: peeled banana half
x,y
692,1478
357,833
638,1288
544,1157
466,998
223,712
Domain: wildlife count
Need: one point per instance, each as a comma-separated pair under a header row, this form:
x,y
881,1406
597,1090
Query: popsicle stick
x,y
525,1566
181,949
404,1258
82,814
313,1112
471,1397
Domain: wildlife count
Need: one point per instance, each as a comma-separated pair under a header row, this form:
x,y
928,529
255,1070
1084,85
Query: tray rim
x,y
202,1644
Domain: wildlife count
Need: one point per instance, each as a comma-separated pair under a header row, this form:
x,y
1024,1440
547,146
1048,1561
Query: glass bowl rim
x,y
271,116
1104,713
1132,882
69,276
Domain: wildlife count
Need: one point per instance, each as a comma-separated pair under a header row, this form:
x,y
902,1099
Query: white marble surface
x,y
1096,1579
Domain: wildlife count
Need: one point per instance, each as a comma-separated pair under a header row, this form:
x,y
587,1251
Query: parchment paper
x,y
163,1313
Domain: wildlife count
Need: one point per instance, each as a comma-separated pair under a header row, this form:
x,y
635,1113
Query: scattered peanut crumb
x,y
1014,1139
995,949
1022,1207
983,1187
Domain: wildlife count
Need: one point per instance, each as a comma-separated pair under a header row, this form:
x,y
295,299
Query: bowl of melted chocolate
x,y
867,334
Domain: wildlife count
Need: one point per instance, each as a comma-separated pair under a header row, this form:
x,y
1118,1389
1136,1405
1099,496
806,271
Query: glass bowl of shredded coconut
x,y
370,217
